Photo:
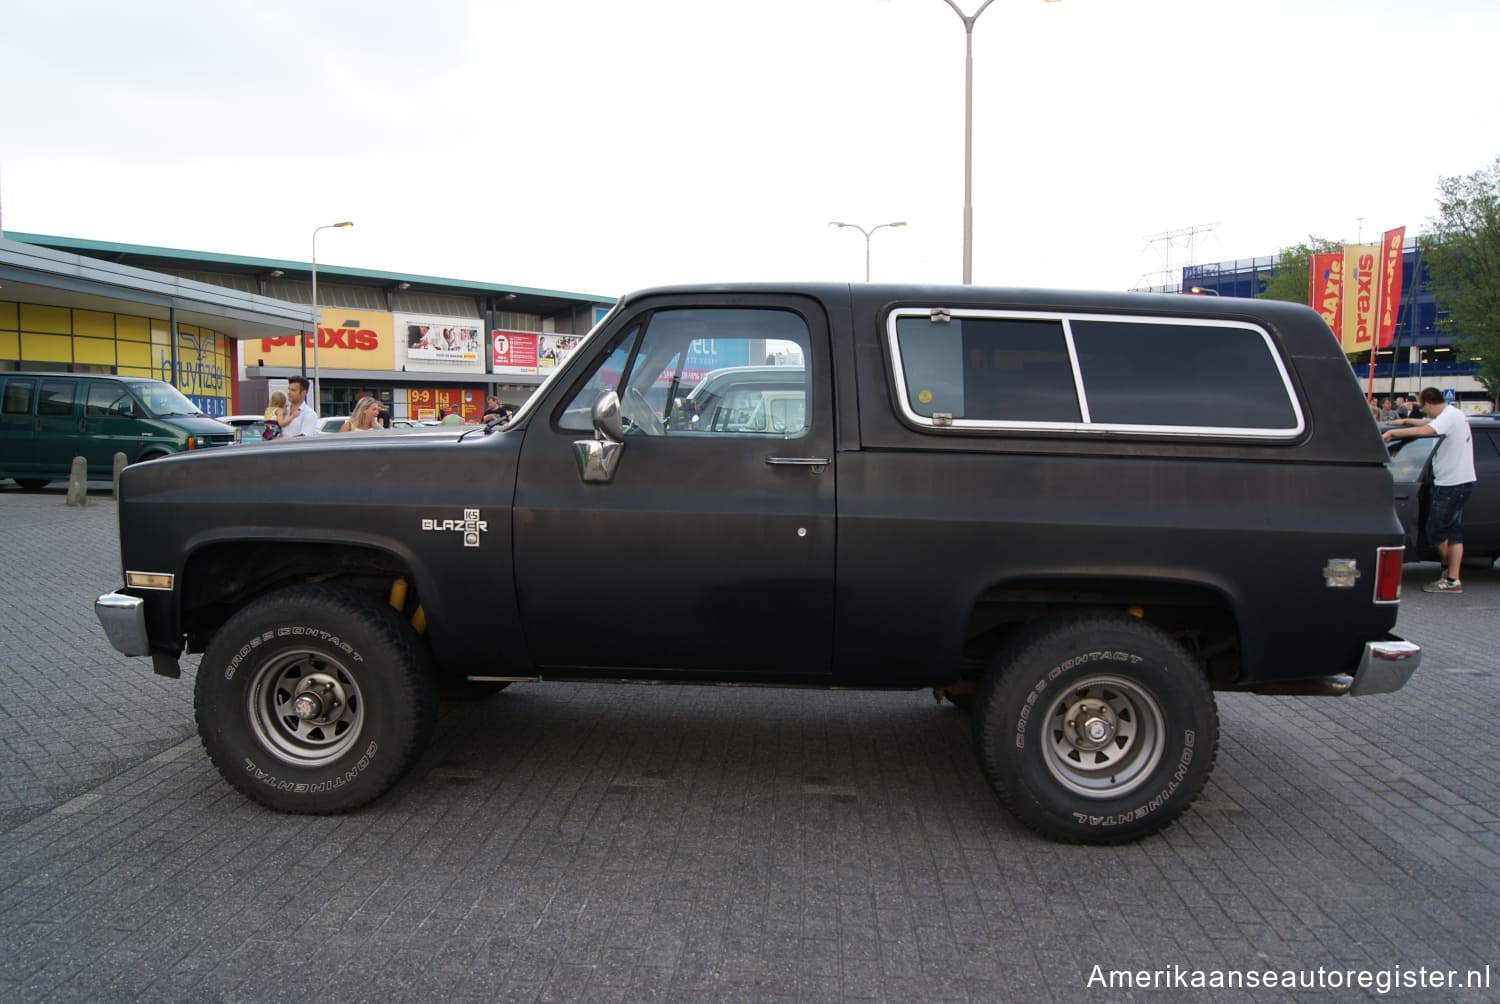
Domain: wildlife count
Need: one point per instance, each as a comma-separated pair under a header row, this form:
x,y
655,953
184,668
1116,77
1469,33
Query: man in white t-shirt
x,y
1452,480
302,420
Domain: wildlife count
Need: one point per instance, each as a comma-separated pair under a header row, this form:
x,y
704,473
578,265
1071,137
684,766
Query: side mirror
x,y
605,415
597,458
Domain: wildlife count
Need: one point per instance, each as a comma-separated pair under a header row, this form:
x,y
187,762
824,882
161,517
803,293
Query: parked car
x,y
332,423
1411,474
46,419
247,428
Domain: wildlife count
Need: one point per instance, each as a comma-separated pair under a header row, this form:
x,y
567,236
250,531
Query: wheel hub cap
x,y
319,699
1093,723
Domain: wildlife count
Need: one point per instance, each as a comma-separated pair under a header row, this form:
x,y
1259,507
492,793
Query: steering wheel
x,y
638,410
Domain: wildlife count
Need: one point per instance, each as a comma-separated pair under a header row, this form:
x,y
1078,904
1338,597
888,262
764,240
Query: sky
x,y
601,146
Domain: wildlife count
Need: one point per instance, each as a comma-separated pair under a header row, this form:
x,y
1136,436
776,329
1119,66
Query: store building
x,y
418,344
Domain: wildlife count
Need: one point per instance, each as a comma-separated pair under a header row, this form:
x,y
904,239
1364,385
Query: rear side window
x,y
1091,373
56,399
17,398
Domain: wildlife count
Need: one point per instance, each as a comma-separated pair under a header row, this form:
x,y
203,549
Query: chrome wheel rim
x,y
305,708
1105,736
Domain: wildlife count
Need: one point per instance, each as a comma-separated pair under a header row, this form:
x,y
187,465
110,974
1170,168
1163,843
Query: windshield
x,y
163,400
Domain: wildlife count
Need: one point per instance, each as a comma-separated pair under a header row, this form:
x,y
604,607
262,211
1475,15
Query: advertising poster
x,y
513,351
1390,283
553,350
440,340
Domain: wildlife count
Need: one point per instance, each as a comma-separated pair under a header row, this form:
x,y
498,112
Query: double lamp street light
x,y
867,233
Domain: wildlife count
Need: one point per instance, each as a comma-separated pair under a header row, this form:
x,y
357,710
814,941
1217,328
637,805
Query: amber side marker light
x,y
149,580
1388,574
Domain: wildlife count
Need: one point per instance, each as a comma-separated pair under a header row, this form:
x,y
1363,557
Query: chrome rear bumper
x,y
1386,667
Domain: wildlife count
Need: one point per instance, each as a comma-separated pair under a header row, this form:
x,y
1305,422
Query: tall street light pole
x,y
867,233
968,20
317,313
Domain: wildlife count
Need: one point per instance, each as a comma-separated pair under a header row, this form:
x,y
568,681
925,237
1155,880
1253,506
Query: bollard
x,y
78,483
119,466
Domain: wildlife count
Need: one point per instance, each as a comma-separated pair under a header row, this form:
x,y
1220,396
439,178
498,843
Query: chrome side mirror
x,y
597,458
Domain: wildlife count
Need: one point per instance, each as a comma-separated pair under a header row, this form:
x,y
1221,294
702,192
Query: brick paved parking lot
x,y
592,843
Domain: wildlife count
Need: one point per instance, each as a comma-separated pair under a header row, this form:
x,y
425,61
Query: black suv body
x,y
1076,514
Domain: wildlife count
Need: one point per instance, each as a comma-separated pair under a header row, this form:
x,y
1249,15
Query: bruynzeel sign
x,y
349,339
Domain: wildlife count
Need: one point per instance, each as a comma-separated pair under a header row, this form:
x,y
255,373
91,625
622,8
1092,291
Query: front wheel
x,y
314,699
32,484
1097,729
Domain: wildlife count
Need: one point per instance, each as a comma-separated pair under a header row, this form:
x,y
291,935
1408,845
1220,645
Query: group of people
x,y
1402,407
291,414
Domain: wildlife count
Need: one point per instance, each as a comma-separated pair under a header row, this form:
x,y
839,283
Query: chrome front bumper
x,y
1386,667
124,621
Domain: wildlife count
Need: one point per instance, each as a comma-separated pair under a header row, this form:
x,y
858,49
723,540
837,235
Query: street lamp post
x,y
317,314
968,20
867,233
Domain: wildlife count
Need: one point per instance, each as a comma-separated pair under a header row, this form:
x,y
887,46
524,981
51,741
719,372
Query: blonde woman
x,y
363,418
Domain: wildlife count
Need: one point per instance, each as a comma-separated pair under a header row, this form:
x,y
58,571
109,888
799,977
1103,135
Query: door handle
x,y
797,461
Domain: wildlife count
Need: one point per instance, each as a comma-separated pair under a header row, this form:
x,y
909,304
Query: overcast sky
x,y
599,146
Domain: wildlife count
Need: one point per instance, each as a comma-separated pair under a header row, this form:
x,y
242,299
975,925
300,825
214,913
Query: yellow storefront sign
x,y
347,339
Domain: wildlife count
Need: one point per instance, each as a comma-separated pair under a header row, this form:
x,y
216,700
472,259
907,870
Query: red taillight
x,y
1388,574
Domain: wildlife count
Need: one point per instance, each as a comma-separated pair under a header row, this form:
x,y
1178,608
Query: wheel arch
x,y
1201,615
223,572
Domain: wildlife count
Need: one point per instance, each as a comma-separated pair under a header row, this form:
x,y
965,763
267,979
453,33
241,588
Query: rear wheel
x,y
32,484
315,699
1096,729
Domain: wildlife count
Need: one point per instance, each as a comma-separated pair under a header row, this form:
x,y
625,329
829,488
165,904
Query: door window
x,y
108,400
707,371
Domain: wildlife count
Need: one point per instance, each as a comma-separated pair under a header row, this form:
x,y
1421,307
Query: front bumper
x,y
124,621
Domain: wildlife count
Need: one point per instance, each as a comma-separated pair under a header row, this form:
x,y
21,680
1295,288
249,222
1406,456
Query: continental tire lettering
x,y
1184,763
304,788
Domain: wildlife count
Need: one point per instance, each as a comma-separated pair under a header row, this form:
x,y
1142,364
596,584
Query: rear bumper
x,y
1383,669
1386,667
124,620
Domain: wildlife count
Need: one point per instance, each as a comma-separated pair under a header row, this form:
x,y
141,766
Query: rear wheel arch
x,y
1200,616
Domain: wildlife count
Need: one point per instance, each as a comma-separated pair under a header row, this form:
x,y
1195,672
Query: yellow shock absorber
x,y
397,601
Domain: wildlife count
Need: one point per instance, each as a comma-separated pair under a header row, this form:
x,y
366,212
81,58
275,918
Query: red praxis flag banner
x,y
1390,283
1325,289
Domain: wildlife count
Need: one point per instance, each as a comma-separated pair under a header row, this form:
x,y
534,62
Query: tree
x,y
1290,281
1462,249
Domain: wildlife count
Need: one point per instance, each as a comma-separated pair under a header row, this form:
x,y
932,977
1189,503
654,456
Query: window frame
x,y
1087,426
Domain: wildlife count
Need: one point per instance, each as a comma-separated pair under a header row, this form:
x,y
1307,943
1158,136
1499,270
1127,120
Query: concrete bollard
x,y
119,466
78,483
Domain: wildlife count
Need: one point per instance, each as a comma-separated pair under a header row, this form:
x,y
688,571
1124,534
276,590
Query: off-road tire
x,y
356,658
1154,725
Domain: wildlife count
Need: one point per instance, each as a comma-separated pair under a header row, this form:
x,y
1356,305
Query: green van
x,y
46,419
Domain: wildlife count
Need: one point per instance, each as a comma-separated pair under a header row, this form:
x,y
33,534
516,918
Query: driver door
x,y
710,550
